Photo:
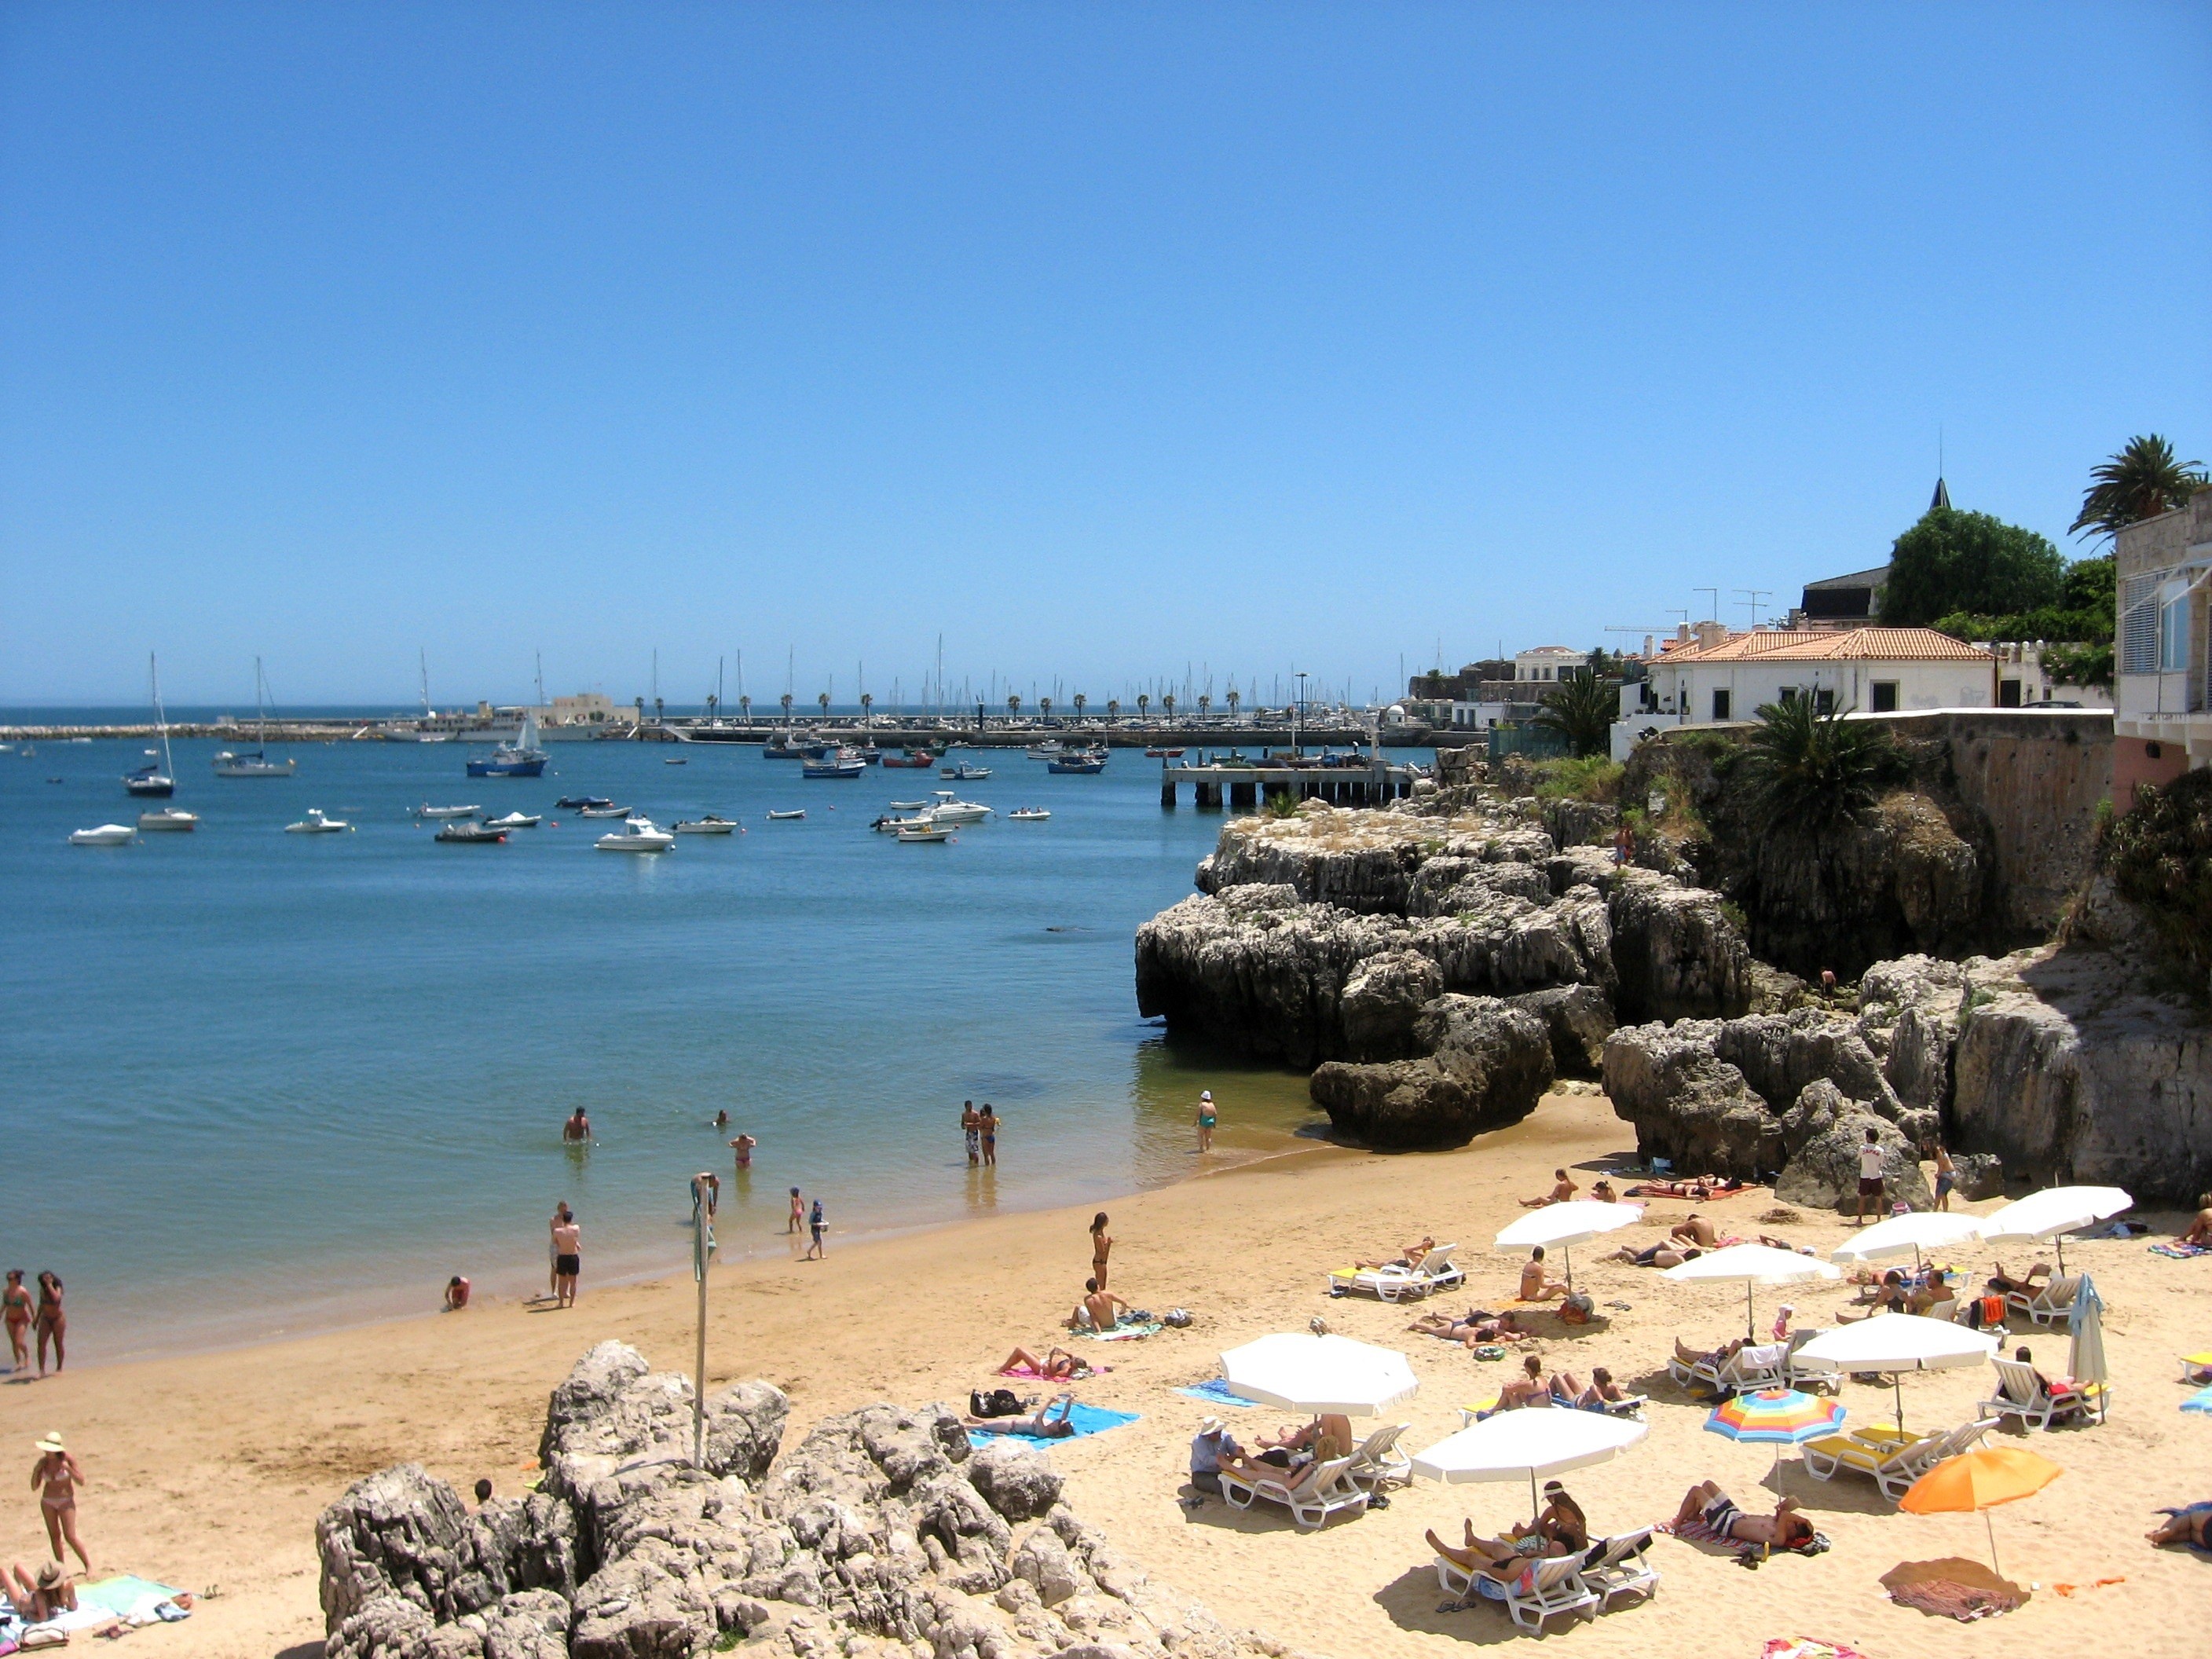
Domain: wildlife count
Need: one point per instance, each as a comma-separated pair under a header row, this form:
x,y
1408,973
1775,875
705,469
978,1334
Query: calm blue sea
x,y
253,1083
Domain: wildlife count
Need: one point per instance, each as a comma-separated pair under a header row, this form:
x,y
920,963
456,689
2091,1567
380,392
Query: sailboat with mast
x,y
156,779
254,762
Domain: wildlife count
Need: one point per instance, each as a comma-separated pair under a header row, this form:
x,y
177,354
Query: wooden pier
x,y
1371,783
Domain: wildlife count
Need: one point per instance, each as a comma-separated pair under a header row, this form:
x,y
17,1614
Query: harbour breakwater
x,y
844,728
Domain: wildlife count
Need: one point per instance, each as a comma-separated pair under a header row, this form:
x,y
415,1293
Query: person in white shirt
x,y
1870,1182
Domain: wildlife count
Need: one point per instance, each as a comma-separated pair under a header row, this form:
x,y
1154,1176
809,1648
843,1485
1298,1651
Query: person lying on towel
x,y
1705,1502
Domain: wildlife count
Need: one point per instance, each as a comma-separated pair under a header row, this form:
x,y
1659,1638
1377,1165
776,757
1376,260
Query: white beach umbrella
x,y
1567,1225
1317,1374
1751,1264
1902,1235
2052,1213
1514,1444
1897,1343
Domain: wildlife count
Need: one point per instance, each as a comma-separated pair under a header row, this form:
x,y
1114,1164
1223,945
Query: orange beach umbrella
x,y
1981,1480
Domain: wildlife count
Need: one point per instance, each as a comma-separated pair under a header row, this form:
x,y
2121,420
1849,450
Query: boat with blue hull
x,y
1077,764
522,758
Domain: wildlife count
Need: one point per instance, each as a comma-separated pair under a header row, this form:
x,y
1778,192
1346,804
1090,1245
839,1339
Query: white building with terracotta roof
x,y
1715,680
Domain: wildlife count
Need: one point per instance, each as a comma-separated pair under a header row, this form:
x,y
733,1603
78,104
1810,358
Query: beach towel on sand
x,y
124,1595
1125,1333
1088,1421
1215,1392
2181,1252
1804,1647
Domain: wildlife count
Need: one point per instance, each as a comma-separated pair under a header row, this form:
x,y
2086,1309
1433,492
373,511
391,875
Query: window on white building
x,y
1720,703
1824,702
1885,697
2174,627
2139,626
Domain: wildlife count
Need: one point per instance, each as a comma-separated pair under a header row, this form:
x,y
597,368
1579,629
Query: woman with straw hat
x,y
43,1598
56,1476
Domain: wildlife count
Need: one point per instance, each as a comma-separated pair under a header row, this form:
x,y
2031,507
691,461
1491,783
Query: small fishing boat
x,y
710,824
909,806
609,811
786,817
838,763
572,803
1077,764
951,809
521,758
473,834
912,757
924,832
106,834
318,823
168,818
962,772
1028,815
1164,754
674,760
889,825
426,811
513,821
637,835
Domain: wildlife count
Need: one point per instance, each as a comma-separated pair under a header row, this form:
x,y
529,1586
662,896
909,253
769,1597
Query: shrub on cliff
x,y
2160,857
1802,771
1593,777
1582,709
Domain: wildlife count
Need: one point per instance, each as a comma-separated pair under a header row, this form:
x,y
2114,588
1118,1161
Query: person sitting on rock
x,y
1536,1284
1563,1190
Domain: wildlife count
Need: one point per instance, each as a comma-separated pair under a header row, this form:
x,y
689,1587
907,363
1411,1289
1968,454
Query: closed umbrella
x,y
1317,1374
1896,1343
1980,1480
1752,1264
2085,1355
2052,1213
1908,1235
1778,1417
1567,1225
1533,1443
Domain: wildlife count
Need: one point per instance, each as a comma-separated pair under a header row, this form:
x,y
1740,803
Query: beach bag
x,y
1177,1317
1985,1311
998,1402
1576,1309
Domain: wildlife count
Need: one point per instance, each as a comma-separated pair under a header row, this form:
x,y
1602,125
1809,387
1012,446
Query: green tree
x,y
2140,482
1953,560
1803,771
1582,709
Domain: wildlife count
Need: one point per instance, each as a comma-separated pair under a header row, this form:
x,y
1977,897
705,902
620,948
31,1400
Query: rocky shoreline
x,y
1439,963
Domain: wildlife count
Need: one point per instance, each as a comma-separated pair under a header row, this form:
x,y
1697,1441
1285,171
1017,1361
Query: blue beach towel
x,y
1215,1392
1088,1421
121,1595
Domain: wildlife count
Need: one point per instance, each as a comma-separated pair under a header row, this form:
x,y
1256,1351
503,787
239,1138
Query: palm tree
x,y
1143,702
1080,700
1233,701
787,709
1113,709
867,707
1806,771
1044,708
1013,705
1167,705
1204,702
2140,482
746,708
1582,709
824,701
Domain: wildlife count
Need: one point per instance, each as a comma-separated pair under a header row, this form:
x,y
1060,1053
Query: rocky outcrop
x,y
1488,1064
1821,1135
879,1537
1579,1018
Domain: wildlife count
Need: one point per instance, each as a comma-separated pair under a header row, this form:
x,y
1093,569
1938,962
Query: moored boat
x,y
786,817
471,834
963,772
513,821
105,835
318,823
522,758
951,809
572,803
168,818
912,757
925,832
637,835
426,811
607,811
254,762
1028,815
838,763
1077,764
707,825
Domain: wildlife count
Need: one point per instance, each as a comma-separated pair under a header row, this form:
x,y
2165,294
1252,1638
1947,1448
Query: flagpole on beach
x,y
706,1189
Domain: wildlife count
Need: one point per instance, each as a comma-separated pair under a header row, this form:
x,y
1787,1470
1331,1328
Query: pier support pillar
x,y
1207,796
1167,793
1244,795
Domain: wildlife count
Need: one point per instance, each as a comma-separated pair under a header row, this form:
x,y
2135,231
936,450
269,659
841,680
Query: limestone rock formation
x,y
1821,1135
878,1537
1488,1064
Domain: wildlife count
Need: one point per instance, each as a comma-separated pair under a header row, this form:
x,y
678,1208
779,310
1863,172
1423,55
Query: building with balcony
x,y
2162,648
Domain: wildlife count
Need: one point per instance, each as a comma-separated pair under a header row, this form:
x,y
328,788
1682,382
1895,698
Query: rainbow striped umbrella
x,y
1779,1417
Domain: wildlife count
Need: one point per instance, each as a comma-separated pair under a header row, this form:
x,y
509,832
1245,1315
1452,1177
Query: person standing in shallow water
x,y
1205,1119
577,1131
52,1322
987,1120
818,1226
797,1223
971,1130
17,1303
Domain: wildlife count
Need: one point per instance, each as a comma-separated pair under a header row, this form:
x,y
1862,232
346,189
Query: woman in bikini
x,y
16,1300
39,1600
52,1322
56,1477
1057,1366
1102,1246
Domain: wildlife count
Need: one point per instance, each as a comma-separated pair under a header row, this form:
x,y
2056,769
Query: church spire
x,y
1941,497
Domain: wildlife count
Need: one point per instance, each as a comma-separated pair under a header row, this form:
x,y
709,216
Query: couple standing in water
x,y
981,1131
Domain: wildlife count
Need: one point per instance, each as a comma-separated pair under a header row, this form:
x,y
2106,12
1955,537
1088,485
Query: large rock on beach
x,y
1822,1133
1489,1064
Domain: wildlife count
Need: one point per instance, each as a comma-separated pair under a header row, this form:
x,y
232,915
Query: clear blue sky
x,y
1103,339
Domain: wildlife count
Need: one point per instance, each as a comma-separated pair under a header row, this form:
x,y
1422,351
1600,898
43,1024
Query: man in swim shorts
x,y
971,1127
567,1259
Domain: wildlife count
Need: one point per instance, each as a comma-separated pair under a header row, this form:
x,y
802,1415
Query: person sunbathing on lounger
x,y
1057,1366
1411,1257
1728,1350
1499,1559
1536,1284
1328,1436
1042,1425
1602,1391
1694,1229
1563,1190
1706,1502
2186,1527
2004,1283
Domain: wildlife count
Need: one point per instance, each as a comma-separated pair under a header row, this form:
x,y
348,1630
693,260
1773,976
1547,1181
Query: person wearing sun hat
x,y
57,1476
1213,1443
39,1600
1205,1119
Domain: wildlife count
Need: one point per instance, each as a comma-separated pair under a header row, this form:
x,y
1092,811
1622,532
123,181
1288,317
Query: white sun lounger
x,y
1436,1272
1622,1569
1377,1461
2019,1395
1894,1461
1320,1491
2047,1306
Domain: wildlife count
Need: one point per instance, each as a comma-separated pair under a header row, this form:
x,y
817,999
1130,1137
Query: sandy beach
x,y
207,1472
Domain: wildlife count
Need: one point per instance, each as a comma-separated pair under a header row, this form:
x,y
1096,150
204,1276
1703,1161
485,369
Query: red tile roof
x,y
1850,644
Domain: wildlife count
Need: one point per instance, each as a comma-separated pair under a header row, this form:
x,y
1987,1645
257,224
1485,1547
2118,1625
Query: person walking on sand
x,y
1870,1182
55,1477
1946,1176
743,1145
1102,1246
16,1301
567,1259
553,1248
817,1226
52,1322
987,1121
797,1222
971,1130
577,1131
1205,1119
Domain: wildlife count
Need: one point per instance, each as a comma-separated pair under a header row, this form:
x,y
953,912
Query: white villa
x,y
1535,671
2163,648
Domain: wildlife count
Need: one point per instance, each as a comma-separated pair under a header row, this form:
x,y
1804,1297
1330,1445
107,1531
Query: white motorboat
x,y
316,823
426,811
254,762
951,809
786,817
603,811
169,818
513,821
1028,815
108,834
909,806
888,825
710,824
923,830
637,835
